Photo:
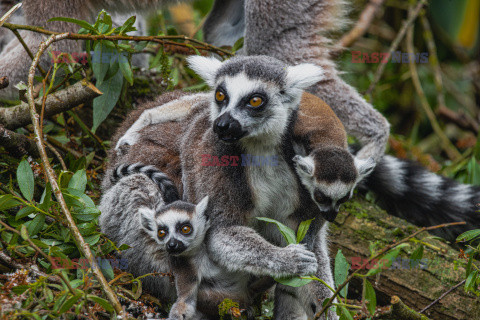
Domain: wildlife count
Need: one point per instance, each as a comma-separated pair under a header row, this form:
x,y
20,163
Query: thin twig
x,y
57,154
380,253
362,25
447,145
159,39
395,43
442,296
83,246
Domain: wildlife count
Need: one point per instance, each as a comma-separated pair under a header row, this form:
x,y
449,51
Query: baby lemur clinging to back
x,y
142,210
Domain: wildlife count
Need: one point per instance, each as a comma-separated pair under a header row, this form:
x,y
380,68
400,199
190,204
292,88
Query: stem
x,y
83,246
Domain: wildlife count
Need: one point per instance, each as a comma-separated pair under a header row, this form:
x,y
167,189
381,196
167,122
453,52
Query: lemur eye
x,y
256,102
161,233
186,229
219,96
321,198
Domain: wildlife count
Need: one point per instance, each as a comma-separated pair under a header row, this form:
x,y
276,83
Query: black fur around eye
x,y
344,199
186,229
162,233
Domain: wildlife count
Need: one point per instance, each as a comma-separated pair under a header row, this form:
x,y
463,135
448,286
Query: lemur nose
x,y
175,246
222,123
227,128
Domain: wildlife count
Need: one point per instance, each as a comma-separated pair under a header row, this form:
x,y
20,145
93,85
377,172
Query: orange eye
x,y
256,102
186,229
161,233
219,96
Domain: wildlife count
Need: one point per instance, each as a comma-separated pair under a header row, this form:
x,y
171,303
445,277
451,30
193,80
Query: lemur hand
x,y
303,261
182,311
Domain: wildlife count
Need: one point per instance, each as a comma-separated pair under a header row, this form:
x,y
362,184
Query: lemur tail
x,y
410,191
167,187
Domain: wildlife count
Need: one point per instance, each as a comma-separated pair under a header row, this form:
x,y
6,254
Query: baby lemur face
x,y
253,97
179,228
330,175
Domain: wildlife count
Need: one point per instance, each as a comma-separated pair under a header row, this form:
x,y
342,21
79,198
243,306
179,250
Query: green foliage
x,y
341,272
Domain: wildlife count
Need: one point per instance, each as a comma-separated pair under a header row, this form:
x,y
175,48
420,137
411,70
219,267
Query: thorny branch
x,y
83,246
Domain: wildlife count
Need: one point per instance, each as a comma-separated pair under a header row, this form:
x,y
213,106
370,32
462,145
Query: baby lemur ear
x,y
205,67
201,208
364,167
147,221
304,164
303,75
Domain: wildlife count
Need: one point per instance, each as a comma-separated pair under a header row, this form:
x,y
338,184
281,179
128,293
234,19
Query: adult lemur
x,y
251,111
292,31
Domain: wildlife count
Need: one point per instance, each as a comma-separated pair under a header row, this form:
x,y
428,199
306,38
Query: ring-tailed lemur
x,y
317,132
168,236
251,110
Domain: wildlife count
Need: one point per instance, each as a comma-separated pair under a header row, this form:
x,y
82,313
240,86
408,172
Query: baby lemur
x,y
167,235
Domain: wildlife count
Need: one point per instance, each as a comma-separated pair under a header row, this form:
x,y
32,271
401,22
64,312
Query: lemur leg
x,y
14,60
186,282
304,302
226,23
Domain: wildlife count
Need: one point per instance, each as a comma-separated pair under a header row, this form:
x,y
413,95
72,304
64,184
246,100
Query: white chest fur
x,y
274,190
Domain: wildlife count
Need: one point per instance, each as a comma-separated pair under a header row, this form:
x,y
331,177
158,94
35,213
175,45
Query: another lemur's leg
x,y
187,282
14,60
295,32
226,23
304,302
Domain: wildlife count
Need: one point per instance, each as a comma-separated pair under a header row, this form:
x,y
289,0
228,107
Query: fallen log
x,y
362,223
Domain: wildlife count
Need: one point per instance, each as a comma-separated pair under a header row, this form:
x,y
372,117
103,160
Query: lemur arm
x,y
172,111
187,281
242,249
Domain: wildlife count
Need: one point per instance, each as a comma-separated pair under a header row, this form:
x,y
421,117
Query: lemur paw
x,y
129,138
182,311
303,261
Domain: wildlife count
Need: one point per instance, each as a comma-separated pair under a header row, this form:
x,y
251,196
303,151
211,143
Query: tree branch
x,y
83,246
63,100
17,144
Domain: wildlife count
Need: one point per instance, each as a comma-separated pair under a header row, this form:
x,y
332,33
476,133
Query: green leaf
x,y
46,198
140,45
293,281
69,303
79,180
24,232
81,23
103,105
416,256
126,70
36,225
93,239
471,280
390,256
25,179
341,271
469,235
238,45
101,61
346,313
303,229
287,233
7,201
106,269
473,169
24,212
59,301
20,289
104,303
370,296
126,26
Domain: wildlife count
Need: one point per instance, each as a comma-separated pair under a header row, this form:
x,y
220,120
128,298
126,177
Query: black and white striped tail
x,y
166,185
410,191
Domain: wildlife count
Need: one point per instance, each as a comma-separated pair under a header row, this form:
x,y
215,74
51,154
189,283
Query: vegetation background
x,y
45,271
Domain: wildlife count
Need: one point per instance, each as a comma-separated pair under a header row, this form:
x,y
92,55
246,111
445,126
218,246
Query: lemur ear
x,y
304,164
205,67
364,167
303,75
201,207
147,221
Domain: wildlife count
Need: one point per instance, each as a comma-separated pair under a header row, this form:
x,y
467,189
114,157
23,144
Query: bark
x,y
363,223
63,100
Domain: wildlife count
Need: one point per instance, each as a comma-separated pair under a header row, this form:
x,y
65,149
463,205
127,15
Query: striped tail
x,y
408,190
167,187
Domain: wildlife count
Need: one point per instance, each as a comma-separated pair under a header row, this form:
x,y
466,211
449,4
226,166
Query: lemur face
x,y
330,175
179,228
253,97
